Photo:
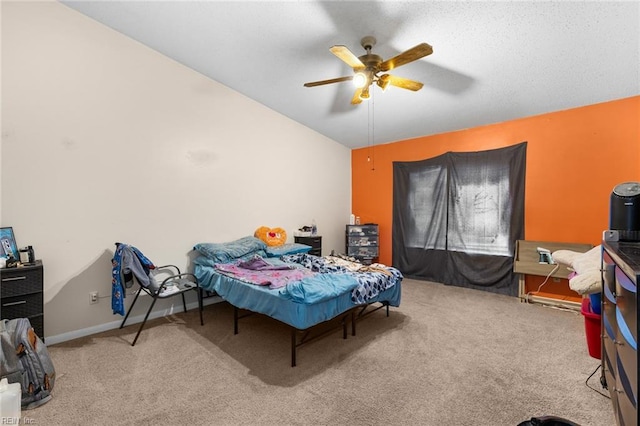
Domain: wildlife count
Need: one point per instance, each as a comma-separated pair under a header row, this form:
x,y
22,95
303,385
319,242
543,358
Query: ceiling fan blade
x,y
415,53
356,97
347,56
405,83
333,80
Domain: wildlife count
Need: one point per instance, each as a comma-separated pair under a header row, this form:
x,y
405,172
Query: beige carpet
x,y
447,356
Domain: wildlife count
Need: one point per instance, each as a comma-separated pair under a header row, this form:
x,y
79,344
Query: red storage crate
x,y
592,328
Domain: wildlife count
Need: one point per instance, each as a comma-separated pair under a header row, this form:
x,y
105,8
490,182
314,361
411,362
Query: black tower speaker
x,y
624,214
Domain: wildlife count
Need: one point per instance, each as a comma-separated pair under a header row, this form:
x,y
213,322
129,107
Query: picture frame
x,y
8,246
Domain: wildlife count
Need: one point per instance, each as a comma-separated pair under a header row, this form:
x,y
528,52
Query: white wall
x,y
106,140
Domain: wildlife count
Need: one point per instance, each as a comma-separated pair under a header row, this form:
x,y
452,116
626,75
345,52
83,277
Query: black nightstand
x,y
21,294
314,241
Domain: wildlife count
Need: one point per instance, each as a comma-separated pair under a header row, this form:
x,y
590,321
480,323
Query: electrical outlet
x,y
93,297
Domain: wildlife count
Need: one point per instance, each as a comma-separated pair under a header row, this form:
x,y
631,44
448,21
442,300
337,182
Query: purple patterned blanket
x,y
264,273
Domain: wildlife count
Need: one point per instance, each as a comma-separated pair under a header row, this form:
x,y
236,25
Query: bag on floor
x,y
25,360
548,421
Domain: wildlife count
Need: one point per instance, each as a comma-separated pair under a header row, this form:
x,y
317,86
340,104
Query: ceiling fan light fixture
x,y
360,80
364,95
383,81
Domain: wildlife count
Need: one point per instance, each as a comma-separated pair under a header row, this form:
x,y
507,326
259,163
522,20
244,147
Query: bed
x,y
296,288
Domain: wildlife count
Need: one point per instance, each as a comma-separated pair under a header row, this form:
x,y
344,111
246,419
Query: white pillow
x,y
565,257
587,267
589,261
587,283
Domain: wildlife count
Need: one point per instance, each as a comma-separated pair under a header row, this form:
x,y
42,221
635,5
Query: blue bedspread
x,y
303,304
371,279
319,287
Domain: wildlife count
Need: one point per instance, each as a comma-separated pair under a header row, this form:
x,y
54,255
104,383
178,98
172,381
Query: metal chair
x,y
176,283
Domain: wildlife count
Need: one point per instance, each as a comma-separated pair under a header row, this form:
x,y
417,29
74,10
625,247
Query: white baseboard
x,y
75,334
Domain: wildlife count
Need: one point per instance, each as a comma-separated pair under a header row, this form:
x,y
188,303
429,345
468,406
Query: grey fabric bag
x,y
24,359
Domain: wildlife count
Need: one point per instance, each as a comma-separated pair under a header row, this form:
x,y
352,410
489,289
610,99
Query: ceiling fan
x,y
370,68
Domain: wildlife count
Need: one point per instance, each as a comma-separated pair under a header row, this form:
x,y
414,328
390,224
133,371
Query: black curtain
x,y
456,217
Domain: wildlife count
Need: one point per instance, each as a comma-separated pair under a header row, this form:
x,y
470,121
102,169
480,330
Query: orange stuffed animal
x,y
273,237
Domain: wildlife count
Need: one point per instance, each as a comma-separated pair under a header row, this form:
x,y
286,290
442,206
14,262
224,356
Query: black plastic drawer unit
x,y
362,242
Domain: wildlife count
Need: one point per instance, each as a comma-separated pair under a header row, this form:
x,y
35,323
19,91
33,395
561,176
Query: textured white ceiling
x,y
492,61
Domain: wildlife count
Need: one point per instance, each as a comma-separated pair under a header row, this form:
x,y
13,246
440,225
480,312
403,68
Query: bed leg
x,y
387,303
235,320
353,322
345,319
293,347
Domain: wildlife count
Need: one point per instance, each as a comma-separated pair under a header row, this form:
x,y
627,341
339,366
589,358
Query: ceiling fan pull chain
x,y
371,131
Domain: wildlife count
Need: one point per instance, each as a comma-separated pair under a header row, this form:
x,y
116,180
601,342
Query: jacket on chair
x,y
128,262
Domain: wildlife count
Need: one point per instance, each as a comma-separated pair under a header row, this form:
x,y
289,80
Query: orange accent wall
x,y
574,159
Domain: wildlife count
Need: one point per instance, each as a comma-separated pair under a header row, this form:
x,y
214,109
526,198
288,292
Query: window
x,y
462,212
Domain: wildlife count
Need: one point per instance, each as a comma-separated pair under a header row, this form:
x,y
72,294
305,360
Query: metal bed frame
x,y
306,336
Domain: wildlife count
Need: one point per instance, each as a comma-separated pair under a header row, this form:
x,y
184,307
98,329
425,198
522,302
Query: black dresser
x,y
21,295
620,275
